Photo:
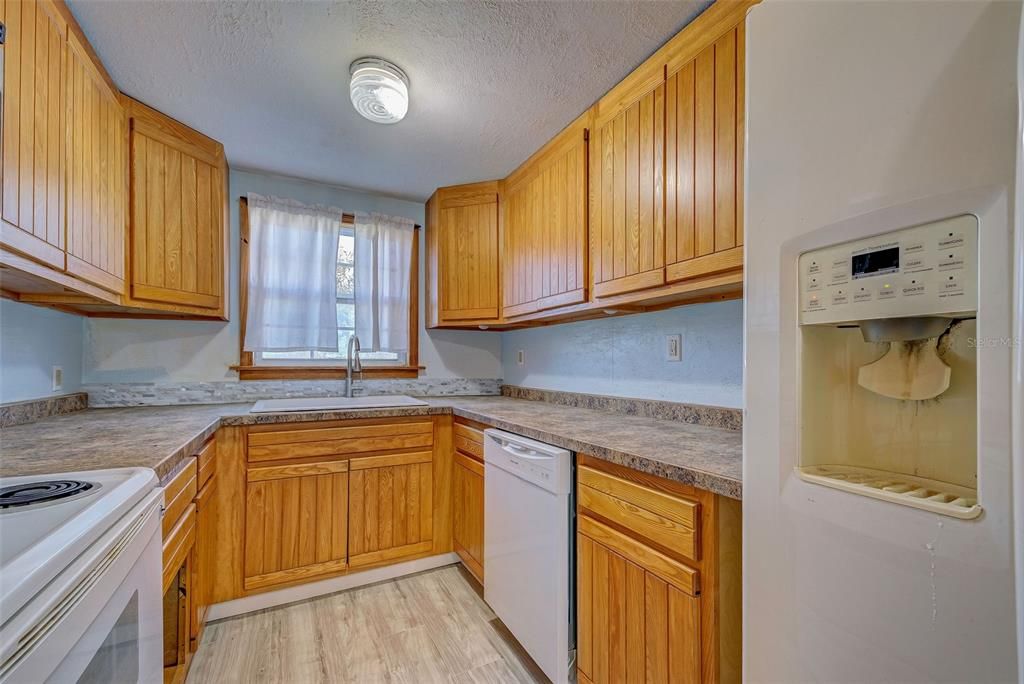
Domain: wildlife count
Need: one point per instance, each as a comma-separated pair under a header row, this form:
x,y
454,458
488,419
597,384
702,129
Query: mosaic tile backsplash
x,y
230,392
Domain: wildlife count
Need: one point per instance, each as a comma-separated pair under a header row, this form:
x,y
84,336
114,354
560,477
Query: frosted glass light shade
x,y
379,90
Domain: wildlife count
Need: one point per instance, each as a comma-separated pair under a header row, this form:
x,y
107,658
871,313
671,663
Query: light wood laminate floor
x,y
428,627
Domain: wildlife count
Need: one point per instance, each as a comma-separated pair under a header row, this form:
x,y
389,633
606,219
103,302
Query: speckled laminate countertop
x,y
161,437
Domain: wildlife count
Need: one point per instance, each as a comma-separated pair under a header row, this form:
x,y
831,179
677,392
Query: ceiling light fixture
x,y
379,90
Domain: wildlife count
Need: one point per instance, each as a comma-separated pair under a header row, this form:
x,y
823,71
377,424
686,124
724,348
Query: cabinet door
x,y
33,155
468,513
545,228
295,522
178,559
634,623
176,623
391,508
627,182
468,257
96,183
178,199
204,557
704,161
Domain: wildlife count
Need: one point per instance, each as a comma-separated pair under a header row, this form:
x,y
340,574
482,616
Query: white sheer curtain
x,y
383,259
293,256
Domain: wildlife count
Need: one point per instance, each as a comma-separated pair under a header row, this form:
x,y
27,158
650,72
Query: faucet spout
x,y
352,364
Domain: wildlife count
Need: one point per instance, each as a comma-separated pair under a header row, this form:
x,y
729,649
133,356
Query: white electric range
x,y
80,569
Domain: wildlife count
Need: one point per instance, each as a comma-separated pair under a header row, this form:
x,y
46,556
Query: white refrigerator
x,y
863,115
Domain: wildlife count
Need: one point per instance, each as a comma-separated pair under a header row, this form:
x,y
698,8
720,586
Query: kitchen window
x,y
286,290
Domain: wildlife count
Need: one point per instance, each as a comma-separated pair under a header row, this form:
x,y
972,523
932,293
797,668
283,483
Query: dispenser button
x,y
887,290
914,264
951,240
913,248
813,268
951,285
951,261
840,297
813,283
913,288
862,294
813,303
840,277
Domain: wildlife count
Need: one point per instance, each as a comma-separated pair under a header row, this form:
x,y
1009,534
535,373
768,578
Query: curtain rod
x,y
347,218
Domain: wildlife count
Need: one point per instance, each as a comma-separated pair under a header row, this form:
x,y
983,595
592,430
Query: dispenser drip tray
x,y
931,495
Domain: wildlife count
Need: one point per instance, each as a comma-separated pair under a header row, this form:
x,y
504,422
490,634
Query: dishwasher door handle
x,y
523,452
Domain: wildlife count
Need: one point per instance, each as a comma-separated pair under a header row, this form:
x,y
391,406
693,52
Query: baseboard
x,y
272,599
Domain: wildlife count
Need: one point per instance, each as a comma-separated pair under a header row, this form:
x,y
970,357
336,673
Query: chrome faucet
x,y
352,364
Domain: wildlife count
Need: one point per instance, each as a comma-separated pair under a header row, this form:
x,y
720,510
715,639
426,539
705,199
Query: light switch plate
x,y
521,358
58,378
673,347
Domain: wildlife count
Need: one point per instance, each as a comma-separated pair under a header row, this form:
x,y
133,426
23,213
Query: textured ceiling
x,y
490,82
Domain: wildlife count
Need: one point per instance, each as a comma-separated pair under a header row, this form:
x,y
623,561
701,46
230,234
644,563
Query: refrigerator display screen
x,y
872,263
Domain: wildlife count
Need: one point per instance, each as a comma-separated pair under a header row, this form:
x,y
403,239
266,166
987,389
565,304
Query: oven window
x,y
117,659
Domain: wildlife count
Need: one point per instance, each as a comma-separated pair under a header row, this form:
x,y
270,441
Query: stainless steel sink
x,y
334,403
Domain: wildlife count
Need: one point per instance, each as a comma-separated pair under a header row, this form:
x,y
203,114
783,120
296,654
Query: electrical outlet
x,y
673,347
521,358
58,378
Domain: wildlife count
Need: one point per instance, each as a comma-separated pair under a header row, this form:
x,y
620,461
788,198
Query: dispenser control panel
x,y
930,269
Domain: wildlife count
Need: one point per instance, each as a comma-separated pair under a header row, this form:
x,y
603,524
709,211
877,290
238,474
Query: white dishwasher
x,y
529,530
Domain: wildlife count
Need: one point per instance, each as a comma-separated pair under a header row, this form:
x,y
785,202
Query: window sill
x,y
321,372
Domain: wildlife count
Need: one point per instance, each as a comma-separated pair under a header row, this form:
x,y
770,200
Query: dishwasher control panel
x,y
544,465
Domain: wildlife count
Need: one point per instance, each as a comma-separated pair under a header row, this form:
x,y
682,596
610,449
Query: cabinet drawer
x,y
206,460
682,576
178,494
338,441
469,441
667,520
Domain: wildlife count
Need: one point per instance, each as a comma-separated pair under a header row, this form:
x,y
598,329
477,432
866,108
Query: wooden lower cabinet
x,y
178,564
308,501
189,527
391,508
653,604
468,495
295,522
468,513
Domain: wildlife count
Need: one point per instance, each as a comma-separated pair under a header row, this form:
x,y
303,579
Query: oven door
x,y
100,620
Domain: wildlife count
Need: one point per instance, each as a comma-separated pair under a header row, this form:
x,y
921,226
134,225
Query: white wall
x,y
33,339
126,350
625,356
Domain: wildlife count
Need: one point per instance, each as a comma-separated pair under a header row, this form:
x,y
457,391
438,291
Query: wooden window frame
x,y
248,370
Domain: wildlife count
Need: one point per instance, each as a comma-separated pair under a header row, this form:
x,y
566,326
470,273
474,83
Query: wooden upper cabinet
x,y
627,185
544,228
34,111
97,192
462,255
177,216
704,160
